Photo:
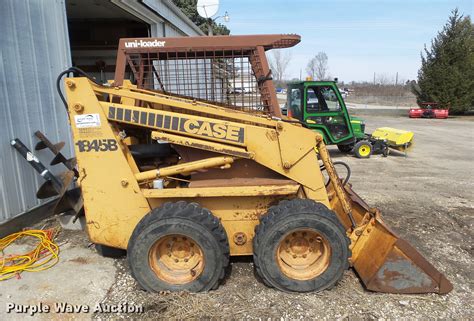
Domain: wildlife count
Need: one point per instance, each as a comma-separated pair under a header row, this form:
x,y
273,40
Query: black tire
x,y
280,221
107,251
186,219
361,148
345,148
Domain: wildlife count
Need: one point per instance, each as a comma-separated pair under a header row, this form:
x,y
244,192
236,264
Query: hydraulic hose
x,y
348,176
68,72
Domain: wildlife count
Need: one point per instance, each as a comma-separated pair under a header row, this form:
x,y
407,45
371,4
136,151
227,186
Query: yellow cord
x,y
42,257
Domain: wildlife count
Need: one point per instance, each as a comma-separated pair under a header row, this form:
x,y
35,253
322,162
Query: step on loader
x,y
183,171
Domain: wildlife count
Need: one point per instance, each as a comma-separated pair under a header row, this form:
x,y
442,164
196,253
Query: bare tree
x,y
317,67
279,63
384,79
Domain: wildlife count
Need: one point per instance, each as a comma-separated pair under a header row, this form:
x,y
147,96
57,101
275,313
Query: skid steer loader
x,y
183,171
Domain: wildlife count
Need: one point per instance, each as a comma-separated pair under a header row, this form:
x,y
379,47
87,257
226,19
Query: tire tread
x,y
287,208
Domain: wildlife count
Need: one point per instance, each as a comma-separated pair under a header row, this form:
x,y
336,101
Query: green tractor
x,y
320,106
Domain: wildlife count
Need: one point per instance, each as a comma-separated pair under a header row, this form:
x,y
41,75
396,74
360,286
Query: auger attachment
x,y
54,186
56,149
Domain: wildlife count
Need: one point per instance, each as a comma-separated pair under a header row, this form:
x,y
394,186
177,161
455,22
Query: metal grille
x,y
225,78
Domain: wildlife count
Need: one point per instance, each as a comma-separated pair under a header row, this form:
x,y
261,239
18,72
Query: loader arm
x,y
282,155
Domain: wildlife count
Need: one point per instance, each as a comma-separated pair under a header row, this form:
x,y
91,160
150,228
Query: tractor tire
x,y
300,246
345,148
178,247
363,149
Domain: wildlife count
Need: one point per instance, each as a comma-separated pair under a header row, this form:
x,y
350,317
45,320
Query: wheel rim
x,y
303,254
364,150
176,259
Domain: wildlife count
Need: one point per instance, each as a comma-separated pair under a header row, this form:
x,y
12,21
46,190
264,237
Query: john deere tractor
x,y
320,105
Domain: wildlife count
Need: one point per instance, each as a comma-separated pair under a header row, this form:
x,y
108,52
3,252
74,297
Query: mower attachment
x,y
398,139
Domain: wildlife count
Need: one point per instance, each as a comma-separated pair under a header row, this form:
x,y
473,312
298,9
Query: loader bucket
x,y
387,263
398,139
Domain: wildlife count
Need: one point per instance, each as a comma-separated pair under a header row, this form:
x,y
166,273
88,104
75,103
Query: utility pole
x,y
396,79
374,77
300,74
209,27
210,22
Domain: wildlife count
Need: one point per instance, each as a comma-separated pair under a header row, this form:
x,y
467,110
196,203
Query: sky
x,y
360,37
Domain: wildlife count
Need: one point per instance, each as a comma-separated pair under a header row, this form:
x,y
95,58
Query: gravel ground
x,y
427,198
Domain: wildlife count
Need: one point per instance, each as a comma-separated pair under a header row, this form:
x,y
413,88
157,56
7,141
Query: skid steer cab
x,y
320,105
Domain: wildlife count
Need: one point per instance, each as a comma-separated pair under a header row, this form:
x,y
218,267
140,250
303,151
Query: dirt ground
x,y
427,198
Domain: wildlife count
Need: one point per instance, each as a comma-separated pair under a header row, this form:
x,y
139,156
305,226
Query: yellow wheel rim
x,y
176,259
303,254
364,150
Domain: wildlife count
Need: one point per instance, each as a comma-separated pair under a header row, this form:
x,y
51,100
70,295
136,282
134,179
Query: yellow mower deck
x,y
398,139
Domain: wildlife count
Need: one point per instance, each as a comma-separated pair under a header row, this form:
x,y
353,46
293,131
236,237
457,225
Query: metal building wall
x,y
34,49
173,15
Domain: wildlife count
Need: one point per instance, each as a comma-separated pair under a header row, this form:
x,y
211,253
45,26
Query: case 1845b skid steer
x,y
183,170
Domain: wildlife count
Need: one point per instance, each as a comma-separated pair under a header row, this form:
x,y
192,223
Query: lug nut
x,y
186,260
294,256
176,260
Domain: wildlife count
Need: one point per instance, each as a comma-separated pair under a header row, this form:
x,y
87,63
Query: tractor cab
x,y
320,105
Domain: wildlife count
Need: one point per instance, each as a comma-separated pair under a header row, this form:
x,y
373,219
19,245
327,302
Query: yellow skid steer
x,y
192,162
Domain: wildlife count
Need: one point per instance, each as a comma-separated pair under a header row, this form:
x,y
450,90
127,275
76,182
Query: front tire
x,y
363,149
300,246
178,247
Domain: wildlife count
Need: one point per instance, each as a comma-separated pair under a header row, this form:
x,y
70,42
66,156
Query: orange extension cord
x,y
42,257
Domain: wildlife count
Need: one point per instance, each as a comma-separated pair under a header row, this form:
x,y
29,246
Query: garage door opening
x,y
95,27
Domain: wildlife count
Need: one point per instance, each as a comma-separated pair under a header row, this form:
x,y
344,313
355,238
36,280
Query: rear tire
x,y
300,246
363,149
345,148
179,247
